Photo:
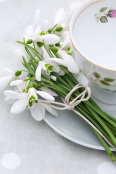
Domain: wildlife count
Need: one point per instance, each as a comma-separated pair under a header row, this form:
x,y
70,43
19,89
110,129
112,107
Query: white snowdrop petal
x,y
106,168
37,111
66,42
19,106
4,81
70,62
45,25
14,94
45,89
16,82
57,60
5,72
37,31
38,73
59,17
50,38
37,38
36,19
61,73
56,68
51,110
45,95
29,30
53,78
32,92
9,101
44,53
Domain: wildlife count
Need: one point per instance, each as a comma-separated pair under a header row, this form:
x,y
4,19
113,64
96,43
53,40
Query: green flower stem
x,y
91,100
104,125
52,29
89,117
101,114
32,50
111,127
103,121
98,119
47,50
105,146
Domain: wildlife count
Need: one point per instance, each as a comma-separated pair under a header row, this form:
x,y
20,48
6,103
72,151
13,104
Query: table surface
x,y
27,146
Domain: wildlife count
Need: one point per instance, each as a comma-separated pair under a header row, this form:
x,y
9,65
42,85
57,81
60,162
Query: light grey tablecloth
x,y
27,146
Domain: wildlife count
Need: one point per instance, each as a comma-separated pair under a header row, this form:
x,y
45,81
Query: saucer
x,y
74,128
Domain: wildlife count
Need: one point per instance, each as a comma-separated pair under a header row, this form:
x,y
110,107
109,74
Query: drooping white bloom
x,y
69,61
20,84
6,75
67,43
48,66
59,17
34,29
45,89
48,38
30,100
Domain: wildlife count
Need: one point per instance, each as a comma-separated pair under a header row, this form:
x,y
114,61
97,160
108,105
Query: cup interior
x,y
93,32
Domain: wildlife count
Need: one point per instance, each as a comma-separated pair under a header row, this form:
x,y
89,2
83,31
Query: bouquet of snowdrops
x,y
50,67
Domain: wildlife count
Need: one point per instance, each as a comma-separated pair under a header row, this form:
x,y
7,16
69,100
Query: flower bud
x,y
29,41
31,84
57,44
59,28
54,49
18,73
50,30
39,44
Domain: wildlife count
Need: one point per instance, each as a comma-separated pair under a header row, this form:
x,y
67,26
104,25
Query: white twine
x,y
71,105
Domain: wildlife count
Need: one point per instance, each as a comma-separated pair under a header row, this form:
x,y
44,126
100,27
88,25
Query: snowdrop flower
x,y
48,38
44,53
6,75
48,66
34,29
67,43
20,84
69,61
59,17
30,100
45,89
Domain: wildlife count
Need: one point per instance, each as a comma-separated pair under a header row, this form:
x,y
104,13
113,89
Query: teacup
x,y
93,34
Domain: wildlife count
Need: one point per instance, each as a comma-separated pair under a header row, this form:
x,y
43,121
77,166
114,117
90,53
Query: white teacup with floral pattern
x,y
93,34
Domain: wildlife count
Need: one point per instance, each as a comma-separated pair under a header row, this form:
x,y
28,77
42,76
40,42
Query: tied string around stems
x,y
70,105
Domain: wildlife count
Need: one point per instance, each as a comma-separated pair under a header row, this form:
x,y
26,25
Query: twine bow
x,y
70,105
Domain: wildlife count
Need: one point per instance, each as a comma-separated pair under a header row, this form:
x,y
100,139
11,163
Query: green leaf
x,y
96,75
108,79
105,83
103,9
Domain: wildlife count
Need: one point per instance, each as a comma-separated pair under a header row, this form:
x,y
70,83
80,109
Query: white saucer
x,y
72,127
